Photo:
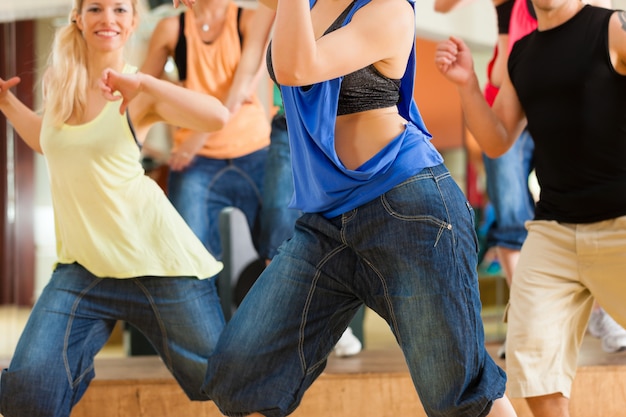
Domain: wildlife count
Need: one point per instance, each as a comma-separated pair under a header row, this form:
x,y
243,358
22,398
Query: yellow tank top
x,y
210,69
110,217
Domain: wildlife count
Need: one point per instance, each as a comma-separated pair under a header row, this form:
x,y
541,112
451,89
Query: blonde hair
x,y
66,80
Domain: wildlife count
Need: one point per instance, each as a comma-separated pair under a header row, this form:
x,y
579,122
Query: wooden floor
x,y
374,383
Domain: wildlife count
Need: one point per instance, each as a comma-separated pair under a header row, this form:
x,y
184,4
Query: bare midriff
x,y
359,136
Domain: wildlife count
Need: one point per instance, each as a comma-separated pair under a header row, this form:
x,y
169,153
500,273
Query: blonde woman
x,y
124,253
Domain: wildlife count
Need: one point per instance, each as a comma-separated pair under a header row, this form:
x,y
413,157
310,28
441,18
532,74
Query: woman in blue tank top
x,y
384,225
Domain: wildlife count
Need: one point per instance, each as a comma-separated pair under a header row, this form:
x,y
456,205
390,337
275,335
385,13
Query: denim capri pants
x,y
410,255
73,318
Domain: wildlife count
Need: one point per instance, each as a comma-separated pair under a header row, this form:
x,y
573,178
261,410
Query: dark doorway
x,y
17,247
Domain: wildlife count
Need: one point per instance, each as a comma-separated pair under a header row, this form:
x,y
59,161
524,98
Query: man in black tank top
x,y
571,96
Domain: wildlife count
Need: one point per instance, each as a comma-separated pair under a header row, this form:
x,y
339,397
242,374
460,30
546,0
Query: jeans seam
x,y
68,330
307,305
166,352
250,181
445,205
387,298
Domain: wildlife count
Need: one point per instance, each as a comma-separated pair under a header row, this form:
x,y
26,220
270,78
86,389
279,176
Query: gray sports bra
x,y
364,89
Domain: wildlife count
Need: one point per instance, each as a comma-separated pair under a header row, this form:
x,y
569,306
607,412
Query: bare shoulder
x,y
617,29
391,20
398,9
169,23
392,7
388,29
247,14
167,29
617,41
619,18
393,15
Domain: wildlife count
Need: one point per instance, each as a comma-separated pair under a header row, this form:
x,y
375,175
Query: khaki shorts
x,y
561,270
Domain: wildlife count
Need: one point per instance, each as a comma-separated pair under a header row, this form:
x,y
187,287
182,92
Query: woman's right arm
x,y
25,121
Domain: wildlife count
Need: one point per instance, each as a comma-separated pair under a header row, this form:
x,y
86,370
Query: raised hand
x,y
126,85
6,85
454,60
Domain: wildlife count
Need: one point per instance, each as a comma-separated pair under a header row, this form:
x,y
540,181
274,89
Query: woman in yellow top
x,y
218,49
124,253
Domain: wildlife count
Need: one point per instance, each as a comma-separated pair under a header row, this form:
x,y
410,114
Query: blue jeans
x,y
507,189
277,219
73,318
207,186
410,255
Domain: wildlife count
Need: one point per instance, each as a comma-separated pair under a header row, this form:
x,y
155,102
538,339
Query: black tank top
x,y
364,89
574,103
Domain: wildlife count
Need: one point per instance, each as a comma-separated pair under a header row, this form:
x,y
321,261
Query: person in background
x,y
565,83
218,50
384,224
277,218
123,251
508,175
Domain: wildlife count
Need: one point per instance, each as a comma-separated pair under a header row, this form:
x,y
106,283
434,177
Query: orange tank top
x,y
211,69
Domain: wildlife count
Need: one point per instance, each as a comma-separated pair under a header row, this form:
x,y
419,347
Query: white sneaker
x,y
602,326
348,344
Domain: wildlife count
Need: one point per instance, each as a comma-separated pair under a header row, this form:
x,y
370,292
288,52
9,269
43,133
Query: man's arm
x,y
494,130
617,41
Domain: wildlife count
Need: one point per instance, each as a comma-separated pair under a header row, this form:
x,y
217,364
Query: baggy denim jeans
x,y
73,318
202,190
411,256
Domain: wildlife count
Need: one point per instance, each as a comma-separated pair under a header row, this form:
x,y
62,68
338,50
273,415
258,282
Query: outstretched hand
x,y
454,60
6,85
127,85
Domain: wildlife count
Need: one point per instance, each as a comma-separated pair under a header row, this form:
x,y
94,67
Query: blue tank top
x,y
322,184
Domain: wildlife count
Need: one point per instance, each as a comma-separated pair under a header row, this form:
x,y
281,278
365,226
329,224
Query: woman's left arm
x,y
155,100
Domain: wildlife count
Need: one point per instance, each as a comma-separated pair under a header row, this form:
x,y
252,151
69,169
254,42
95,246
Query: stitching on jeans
x,y
68,330
167,357
445,205
305,312
442,224
387,297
